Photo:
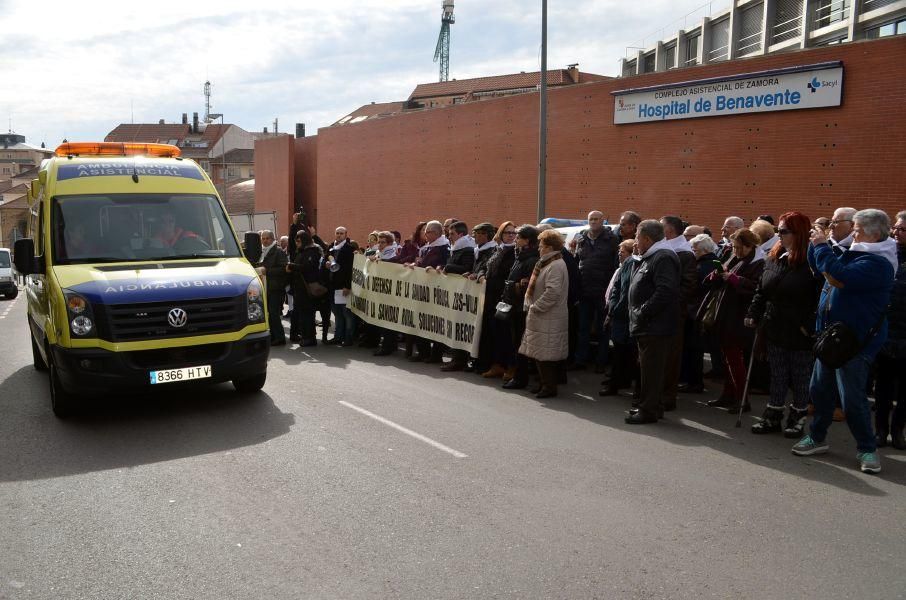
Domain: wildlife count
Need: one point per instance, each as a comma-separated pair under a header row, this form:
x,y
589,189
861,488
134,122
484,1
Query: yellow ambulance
x,y
135,277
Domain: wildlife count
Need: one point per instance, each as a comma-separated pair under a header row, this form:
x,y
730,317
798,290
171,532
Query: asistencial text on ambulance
x,y
808,86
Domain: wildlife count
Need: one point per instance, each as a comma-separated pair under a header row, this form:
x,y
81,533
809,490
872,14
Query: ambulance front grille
x,y
149,320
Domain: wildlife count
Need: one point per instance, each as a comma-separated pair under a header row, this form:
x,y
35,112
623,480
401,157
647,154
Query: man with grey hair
x,y
731,226
856,294
273,267
432,256
597,254
653,306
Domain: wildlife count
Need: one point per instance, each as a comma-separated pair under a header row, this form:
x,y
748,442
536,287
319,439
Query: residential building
x,y
17,156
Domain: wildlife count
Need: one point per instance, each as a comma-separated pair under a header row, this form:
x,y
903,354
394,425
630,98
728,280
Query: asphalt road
x,y
298,493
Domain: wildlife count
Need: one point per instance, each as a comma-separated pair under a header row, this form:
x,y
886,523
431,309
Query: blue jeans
x,y
591,314
848,385
344,325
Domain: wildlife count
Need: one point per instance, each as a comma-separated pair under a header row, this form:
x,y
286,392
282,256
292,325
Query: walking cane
x,y
745,390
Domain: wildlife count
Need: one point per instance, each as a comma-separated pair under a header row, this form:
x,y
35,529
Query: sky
x,y
77,70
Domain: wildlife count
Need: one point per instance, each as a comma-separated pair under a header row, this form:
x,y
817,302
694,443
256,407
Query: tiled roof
x,y
28,174
240,197
20,188
379,109
15,204
163,134
237,156
498,82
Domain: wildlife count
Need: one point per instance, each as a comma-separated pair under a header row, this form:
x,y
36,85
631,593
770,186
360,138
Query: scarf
x,y
663,244
886,249
542,262
338,246
483,247
679,244
267,249
389,252
463,242
441,241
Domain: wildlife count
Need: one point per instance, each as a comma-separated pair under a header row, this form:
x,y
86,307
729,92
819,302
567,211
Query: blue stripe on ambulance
x,y
167,289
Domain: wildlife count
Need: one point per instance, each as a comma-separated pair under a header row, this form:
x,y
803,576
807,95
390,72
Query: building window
x,y
720,40
869,5
670,57
649,64
232,172
252,172
787,21
692,43
888,29
750,30
629,68
829,12
457,100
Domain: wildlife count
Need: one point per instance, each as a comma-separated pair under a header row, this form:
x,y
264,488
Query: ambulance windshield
x,y
138,227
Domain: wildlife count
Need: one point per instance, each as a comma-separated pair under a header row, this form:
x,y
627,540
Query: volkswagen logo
x,y
177,317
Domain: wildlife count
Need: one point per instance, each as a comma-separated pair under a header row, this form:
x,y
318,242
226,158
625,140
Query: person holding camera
x,y
853,305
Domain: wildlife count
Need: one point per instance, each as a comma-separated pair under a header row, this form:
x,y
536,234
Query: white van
x,y
8,287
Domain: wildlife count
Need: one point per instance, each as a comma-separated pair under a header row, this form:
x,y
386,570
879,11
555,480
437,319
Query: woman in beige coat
x,y
546,337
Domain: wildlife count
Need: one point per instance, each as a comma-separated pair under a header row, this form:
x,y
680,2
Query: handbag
x,y
838,343
316,289
503,311
707,311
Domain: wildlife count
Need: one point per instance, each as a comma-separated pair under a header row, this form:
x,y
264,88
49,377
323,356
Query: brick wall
x,y
478,161
274,178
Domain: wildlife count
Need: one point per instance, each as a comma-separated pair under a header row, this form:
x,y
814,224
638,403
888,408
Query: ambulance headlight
x,y
81,326
255,301
81,318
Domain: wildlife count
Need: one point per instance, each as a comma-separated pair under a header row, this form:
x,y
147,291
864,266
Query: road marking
x,y
409,432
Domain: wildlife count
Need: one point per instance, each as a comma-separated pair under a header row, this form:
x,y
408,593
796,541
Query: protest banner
x,y
437,307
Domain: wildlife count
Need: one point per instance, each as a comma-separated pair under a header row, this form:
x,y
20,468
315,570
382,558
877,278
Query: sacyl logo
x,y
177,317
814,84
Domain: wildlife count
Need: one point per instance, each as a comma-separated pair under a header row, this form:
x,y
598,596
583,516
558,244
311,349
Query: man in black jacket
x,y
339,259
273,264
673,234
461,261
653,308
596,251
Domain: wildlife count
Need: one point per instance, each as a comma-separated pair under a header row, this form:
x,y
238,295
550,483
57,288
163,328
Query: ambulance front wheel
x,y
250,385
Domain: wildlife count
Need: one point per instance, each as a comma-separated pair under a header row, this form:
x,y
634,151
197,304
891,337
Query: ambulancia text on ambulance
x,y
136,280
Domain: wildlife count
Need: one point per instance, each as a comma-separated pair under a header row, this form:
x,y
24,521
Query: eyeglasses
x,y
898,228
838,221
784,231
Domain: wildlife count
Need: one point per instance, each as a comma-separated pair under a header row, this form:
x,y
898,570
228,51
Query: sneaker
x,y
869,462
807,447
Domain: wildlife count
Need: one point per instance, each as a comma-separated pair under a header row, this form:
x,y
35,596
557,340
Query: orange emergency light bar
x,y
117,149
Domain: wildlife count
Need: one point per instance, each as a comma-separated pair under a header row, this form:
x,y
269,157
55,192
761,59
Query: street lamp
x,y
222,154
542,134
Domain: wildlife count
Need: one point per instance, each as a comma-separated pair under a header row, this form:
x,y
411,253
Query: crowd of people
x,y
813,310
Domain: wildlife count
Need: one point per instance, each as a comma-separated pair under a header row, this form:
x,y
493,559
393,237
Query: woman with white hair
x,y
705,250
860,281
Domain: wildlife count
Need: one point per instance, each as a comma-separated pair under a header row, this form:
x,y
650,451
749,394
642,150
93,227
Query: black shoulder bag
x,y
838,343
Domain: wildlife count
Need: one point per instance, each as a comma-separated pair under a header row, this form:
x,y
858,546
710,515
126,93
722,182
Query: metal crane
x,y
442,52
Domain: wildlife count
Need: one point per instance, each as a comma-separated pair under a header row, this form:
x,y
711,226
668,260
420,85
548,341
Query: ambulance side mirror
x,y
253,247
24,259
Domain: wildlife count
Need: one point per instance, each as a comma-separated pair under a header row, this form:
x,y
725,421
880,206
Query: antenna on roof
x,y
207,101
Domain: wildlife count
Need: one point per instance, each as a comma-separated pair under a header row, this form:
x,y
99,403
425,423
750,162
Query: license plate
x,y
187,374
